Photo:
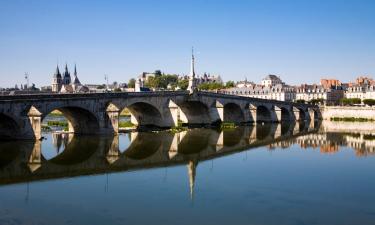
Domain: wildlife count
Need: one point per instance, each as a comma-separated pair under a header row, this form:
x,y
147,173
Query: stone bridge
x,y
21,115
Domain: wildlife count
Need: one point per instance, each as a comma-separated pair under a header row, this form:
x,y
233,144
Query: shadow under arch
x,y
302,114
195,141
78,150
285,114
81,121
287,128
233,136
9,128
263,131
233,113
194,113
11,150
145,114
144,145
263,114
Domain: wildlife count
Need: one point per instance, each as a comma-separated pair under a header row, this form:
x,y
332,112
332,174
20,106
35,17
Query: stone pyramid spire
x,y
75,79
57,73
192,81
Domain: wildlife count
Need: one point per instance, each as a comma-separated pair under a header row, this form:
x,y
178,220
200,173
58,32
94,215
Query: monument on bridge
x,y
192,81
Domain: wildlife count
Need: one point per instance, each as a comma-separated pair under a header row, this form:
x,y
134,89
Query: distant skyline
x,y
301,41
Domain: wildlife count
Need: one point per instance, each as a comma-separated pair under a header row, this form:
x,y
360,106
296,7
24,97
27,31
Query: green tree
x,y
229,84
157,73
210,86
131,83
183,83
350,101
162,81
369,102
317,101
102,86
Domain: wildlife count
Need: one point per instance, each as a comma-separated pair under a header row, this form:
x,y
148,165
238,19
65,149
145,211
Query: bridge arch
x,y
316,113
80,120
263,114
9,128
286,114
145,114
233,113
194,112
303,115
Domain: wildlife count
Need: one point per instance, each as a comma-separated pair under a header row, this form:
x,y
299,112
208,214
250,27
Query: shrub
x,y
350,101
55,123
369,102
228,125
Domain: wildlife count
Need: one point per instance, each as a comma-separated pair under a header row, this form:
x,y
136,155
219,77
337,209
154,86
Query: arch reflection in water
x,y
81,155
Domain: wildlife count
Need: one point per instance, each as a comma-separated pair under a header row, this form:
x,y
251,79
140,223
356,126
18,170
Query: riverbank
x,y
348,113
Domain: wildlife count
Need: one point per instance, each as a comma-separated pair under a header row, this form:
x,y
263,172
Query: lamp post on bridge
x,y
106,79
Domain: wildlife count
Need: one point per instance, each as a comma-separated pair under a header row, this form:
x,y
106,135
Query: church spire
x,y
57,73
66,75
75,76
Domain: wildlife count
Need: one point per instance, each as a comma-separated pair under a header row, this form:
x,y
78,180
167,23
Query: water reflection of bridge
x,y
24,161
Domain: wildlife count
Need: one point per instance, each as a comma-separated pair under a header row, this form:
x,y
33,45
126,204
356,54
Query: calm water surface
x,y
266,174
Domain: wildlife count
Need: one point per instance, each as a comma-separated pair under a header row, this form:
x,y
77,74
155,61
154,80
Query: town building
x,y
272,87
328,83
271,80
330,95
245,83
278,92
362,88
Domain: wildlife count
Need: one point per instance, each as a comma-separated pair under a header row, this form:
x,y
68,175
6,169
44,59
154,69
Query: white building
x,y
361,91
278,92
271,80
308,93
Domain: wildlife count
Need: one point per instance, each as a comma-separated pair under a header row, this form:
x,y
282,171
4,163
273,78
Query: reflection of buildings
x,y
60,140
362,143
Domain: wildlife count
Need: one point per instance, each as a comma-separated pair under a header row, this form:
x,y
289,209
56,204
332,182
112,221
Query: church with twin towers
x,y
63,83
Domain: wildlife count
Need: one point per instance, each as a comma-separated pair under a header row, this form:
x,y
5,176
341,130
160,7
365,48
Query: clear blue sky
x,y
301,41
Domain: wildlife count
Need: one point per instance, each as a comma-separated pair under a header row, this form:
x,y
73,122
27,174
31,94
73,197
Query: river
x,y
263,174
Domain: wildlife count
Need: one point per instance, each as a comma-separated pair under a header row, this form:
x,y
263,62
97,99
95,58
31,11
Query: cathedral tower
x,y
66,76
57,81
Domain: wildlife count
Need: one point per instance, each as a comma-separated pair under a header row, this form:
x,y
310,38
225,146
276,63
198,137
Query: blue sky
x,y
302,41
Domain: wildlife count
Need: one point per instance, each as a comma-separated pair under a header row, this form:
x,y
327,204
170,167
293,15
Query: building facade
x,y
331,95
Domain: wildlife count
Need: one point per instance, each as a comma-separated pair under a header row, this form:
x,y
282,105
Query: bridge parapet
x,y
98,113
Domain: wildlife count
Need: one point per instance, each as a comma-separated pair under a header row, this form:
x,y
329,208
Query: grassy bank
x,y
351,119
126,124
227,125
54,123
